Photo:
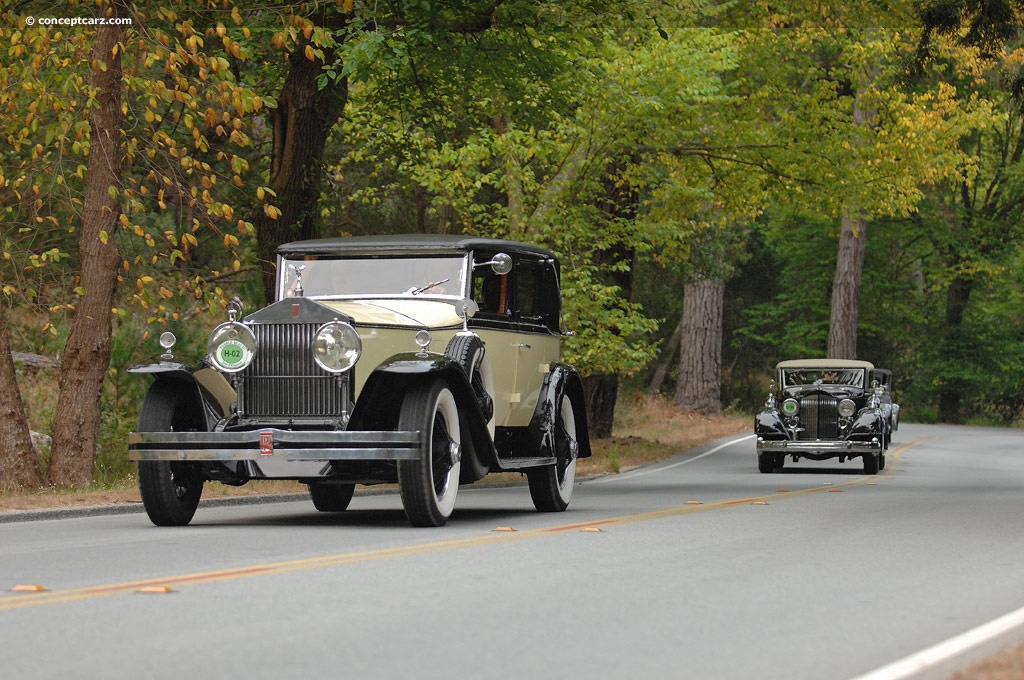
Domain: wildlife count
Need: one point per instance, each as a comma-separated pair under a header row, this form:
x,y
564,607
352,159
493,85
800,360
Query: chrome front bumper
x,y
274,444
819,446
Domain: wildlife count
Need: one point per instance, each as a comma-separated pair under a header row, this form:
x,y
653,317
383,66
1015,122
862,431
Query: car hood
x,y
398,312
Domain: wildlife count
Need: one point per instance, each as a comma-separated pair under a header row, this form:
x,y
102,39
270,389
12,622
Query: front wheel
x,y
870,463
766,462
428,486
170,490
551,485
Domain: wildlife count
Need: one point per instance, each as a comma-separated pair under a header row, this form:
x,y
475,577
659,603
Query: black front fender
x,y
868,423
209,386
380,402
768,424
194,412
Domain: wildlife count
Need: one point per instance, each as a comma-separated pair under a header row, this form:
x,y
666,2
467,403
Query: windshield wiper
x,y
417,291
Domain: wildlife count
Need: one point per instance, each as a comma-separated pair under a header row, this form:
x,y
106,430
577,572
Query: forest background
x,y
727,184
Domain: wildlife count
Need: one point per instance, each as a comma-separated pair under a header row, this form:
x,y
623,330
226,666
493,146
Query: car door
x,y
518,320
535,317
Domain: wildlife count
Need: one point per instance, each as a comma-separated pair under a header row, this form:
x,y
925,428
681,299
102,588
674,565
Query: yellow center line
x,y
57,596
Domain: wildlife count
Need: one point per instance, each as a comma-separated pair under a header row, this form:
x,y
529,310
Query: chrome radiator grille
x,y
819,416
284,380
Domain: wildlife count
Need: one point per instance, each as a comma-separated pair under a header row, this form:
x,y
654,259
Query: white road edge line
x,y
926,658
647,471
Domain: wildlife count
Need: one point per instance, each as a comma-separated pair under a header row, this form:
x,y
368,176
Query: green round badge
x,y
231,353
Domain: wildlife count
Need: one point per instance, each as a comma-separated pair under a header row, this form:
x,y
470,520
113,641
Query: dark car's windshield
x,y
850,377
374,276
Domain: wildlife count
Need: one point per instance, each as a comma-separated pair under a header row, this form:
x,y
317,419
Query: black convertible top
x,y
418,243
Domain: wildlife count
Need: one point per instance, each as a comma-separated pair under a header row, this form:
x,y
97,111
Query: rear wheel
x,y
428,486
551,485
331,497
170,490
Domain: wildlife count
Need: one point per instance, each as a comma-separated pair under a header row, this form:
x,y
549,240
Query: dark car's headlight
x,y
790,407
336,346
847,408
232,346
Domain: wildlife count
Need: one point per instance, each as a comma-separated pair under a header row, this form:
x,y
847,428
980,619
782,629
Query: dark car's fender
x,y
205,387
867,424
768,425
380,402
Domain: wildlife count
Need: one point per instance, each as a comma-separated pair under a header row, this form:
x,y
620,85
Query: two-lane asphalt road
x,y
699,567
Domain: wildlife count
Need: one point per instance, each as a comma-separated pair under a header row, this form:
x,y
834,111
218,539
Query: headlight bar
x,y
336,347
232,347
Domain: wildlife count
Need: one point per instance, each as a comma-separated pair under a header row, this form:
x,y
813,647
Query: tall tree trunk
x,y
620,201
951,388
699,384
87,352
601,393
844,316
667,354
842,328
303,120
19,467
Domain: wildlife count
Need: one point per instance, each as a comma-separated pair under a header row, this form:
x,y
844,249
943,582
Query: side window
x,y
492,292
537,297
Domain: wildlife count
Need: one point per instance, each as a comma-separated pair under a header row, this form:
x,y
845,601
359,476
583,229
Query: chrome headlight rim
x,y
790,407
847,408
232,347
336,347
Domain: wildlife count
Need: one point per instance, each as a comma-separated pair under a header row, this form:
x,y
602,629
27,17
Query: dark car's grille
x,y
284,380
819,416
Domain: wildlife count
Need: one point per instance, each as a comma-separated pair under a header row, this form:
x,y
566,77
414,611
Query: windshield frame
x,y
823,376
377,276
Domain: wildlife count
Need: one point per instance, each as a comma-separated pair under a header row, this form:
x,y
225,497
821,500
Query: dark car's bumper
x,y
836,447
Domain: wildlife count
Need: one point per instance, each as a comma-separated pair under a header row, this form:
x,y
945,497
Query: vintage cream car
x,y
426,361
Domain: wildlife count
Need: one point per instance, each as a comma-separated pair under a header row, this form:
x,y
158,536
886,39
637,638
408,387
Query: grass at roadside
x,y
647,430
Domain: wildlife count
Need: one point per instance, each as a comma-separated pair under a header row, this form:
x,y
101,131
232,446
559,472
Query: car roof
x,y
416,243
824,363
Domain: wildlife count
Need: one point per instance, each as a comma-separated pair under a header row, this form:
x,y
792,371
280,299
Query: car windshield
x,y
374,276
852,377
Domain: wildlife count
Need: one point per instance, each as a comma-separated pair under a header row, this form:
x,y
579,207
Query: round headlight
x,y
791,407
336,346
232,347
847,408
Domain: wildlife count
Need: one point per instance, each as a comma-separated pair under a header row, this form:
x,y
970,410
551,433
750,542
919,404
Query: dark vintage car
x,y
823,408
426,361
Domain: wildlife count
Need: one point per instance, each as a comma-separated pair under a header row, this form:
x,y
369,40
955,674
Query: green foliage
x,y
645,143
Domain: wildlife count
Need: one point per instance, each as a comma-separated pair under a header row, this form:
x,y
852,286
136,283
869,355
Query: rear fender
x,y
561,381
